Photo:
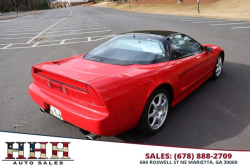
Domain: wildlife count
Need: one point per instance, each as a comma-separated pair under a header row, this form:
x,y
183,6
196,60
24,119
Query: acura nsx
x,y
132,80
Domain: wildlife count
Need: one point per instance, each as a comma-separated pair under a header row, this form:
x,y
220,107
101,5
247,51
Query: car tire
x,y
218,67
155,112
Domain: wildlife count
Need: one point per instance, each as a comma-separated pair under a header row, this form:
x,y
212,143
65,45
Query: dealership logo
x,y
44,155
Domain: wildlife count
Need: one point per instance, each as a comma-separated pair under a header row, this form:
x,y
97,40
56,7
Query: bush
x,y
56,5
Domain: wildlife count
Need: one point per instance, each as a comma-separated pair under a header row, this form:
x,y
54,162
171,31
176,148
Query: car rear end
x,y
68,95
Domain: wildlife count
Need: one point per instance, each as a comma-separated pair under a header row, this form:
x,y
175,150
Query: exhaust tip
x,y
44,110
92,136
41,109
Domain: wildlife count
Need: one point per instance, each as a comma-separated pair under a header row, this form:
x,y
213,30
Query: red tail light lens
x,y
84,93
32,72
94,97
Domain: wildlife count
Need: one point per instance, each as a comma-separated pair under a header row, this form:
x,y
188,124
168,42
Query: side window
x,y
184,46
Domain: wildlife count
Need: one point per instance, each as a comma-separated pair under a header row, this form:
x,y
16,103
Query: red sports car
x,y
132,80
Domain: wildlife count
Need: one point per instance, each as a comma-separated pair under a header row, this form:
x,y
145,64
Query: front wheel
x,y
218,67
155,112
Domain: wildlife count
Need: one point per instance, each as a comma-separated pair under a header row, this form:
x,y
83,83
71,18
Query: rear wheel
x,y
218,67
155,112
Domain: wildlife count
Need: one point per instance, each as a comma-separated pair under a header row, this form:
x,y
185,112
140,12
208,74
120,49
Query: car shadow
x,y
216,111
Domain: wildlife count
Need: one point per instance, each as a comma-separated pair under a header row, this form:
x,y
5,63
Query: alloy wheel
x,y
158,111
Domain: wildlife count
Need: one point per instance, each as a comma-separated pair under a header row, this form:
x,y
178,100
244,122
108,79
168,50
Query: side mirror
x,y
208,49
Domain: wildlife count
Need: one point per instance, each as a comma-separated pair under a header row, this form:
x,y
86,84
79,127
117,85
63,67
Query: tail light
x,y
94,97
33,72
75,90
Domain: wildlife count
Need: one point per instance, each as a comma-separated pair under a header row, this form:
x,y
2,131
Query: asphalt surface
x,y
216,115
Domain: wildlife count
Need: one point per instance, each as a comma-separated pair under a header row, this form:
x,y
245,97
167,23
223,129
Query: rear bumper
x,y
97,120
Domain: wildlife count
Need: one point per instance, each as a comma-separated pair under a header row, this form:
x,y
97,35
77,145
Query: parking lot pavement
x,y
60,32
216,115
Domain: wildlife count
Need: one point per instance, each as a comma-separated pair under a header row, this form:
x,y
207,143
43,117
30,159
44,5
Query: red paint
x,y
93,95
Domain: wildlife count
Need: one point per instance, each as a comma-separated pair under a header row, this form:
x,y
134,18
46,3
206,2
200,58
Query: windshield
x,y
127,50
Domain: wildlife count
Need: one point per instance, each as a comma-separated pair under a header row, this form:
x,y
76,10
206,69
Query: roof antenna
x,y
131,26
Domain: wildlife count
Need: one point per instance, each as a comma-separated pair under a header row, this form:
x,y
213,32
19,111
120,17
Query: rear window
x,y
127,50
